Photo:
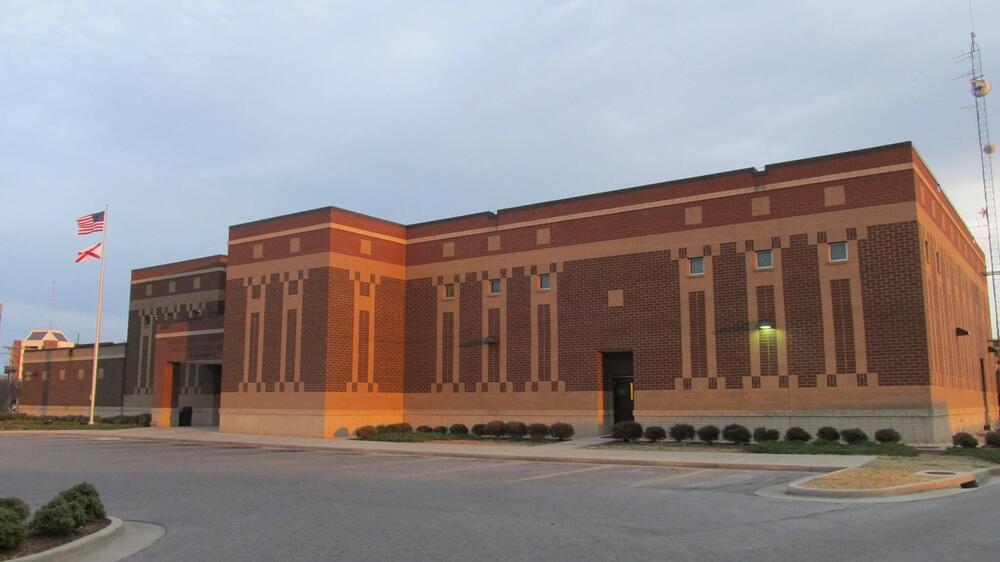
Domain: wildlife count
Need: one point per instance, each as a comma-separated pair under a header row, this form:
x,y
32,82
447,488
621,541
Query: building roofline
x,y
221,258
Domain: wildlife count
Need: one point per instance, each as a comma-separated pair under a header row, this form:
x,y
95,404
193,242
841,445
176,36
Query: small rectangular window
x,y
697,266
149,290
449,291
545,281
172,286
196,283
765,259
838,251
494,286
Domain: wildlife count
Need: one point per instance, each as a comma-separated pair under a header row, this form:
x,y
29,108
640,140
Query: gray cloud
x,y
189,117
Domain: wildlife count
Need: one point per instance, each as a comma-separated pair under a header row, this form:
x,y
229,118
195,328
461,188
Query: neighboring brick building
x,y
56,381
842,290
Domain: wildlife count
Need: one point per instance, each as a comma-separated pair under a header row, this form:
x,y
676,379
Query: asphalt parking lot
x,y
246,503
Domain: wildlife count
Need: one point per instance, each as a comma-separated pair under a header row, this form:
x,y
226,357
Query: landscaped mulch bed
x,y
673,447
30,425
40,543
450,439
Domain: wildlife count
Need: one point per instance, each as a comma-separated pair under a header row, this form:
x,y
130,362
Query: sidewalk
x,y
568,451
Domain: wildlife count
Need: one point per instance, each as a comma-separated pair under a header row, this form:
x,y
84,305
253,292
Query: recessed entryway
x,y
620,382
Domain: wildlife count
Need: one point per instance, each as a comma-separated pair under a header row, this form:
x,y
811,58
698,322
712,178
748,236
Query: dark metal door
x,y
624,398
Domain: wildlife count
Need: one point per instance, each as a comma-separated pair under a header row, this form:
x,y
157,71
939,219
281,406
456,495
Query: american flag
x,y
89,224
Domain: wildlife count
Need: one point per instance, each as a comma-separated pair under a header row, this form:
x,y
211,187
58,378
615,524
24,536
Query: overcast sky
x,y
188,117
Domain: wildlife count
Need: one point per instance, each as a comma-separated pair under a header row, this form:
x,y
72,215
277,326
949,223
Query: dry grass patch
x,y
885,472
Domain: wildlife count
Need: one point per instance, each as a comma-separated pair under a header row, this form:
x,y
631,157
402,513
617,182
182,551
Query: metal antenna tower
x,y
980,89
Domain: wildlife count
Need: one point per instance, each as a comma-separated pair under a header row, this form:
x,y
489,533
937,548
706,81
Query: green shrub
x,y
479,429
797,434
709,434
516,430
441,429
12,528
404,427
58,517
681,432
655,433
496,428
965,440
627,431
85,495
425,429
888,436
763,435
145,419
561,431
16,505
992,439
380,429
854,436
736,433
538,431
365,432
458,429
827,433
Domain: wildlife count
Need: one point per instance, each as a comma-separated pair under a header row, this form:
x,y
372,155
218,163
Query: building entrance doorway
x,y
619,380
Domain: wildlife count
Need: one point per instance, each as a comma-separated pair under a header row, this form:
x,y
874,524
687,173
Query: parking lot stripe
x,y
472,467
566,473
667,478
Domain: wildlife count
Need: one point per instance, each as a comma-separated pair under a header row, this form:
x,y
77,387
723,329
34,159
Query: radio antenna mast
x,y
981,87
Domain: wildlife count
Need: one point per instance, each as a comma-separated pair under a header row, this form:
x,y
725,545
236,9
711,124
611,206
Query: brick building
x,y
841,290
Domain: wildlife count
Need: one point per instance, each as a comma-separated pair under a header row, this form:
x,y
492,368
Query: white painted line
x,y
476,466
667,478
566,473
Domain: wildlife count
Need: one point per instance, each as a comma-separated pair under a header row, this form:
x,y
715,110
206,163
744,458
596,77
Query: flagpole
x,y
97,328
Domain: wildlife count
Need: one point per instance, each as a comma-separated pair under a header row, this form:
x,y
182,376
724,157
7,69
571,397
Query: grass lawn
x,y
31,425
418,437
825,448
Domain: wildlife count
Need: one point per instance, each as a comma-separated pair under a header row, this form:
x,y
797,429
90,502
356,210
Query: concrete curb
x,y
481,456
72,551
950,482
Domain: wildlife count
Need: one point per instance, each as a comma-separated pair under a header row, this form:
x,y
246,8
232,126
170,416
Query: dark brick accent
x,y
544,342
234,335
390,350
648,324
891,292
363,342
732,343
697,333
767,339
315,306
470,334
803,310
290,340
448,347
493,349
518,343
843,324
420,335
271,359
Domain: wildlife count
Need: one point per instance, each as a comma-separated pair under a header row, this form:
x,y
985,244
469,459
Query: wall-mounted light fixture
x,y
765,325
